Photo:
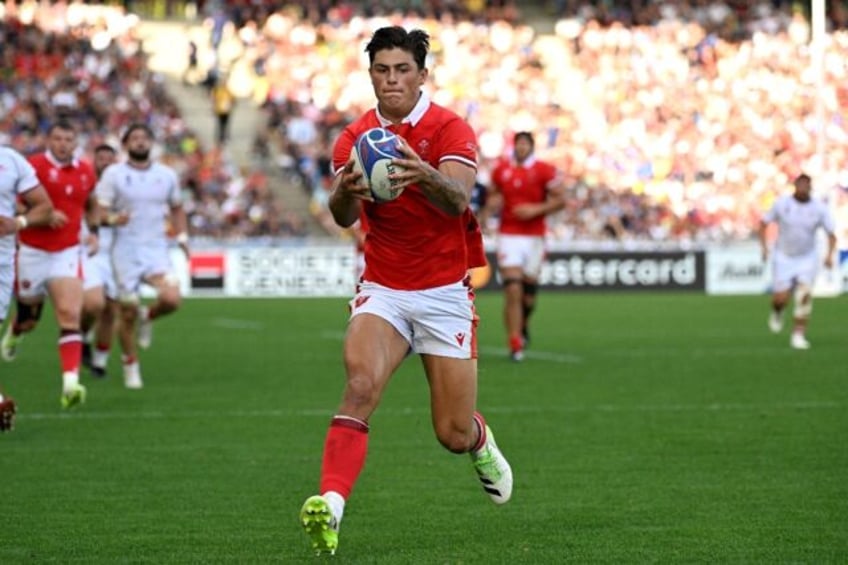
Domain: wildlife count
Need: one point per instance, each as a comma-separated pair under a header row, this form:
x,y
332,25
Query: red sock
x,y
481,427
516,343
70,350
103,346
344,454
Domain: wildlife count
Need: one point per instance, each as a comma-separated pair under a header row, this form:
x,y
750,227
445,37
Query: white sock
x,y
70,379
336,502
99,358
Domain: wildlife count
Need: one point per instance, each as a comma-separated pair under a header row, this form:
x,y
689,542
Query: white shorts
x,y
7,283
36,267
525,251
439,321
788,271
133,265
97,271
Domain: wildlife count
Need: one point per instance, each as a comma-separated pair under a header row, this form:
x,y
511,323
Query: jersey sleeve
x,y
553,176
105,190
27,179
827,221
90,176
175,193
458,143
771,214
342,149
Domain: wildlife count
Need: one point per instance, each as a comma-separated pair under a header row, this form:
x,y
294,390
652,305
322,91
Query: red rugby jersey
x,y
526,183
411,244
68,186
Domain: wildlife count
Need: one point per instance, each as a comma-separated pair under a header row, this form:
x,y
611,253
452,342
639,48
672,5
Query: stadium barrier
x,y
329,270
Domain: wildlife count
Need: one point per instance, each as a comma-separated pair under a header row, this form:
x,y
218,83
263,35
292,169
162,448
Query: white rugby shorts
x,y
438,321
7,283
787,271
134,264
97,271
36,267
525,251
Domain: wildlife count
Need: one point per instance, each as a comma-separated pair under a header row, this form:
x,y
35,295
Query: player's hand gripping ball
x,y
372,155
7,413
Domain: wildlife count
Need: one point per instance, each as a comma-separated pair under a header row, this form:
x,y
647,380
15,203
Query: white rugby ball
x,y
373,152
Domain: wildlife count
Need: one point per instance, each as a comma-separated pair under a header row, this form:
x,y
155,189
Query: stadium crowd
x,y
87,63
675,121
671,120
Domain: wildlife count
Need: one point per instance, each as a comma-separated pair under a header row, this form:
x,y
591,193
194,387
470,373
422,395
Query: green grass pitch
x,y
663,428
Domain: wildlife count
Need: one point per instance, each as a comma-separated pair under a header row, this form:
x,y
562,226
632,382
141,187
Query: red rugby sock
x,y
344,454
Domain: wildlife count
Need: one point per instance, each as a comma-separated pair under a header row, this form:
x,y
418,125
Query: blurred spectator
x,y
86,63
675,120
223,101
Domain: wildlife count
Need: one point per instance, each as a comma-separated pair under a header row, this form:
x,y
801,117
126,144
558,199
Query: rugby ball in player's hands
x,y
373,152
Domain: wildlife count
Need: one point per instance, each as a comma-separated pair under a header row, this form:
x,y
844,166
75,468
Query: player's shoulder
x,y
441,113
112,170
37,159
440,118
85,166
502,163
361,124
6,151
163,169
546,166
11,154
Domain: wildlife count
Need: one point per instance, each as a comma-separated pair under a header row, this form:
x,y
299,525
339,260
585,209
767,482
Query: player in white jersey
x,y
101,293
148,192
795,259
18,184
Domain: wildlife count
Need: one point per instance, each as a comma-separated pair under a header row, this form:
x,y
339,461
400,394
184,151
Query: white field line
x,y
86,414
235,324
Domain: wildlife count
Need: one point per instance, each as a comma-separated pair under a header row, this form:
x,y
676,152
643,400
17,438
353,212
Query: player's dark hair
x,y
803,177
63,125
136,126
415,42
526,135
105,147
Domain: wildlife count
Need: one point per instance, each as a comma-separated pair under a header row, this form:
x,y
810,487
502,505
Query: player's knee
x,y
803,301
129,299
168,302
509,282
360,393
93,303
128,313
455,439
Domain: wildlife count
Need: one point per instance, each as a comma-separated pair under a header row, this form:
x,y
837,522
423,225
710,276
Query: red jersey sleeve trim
x,y
464,160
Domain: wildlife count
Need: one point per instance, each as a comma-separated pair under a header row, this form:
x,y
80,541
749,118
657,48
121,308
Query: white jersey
x,y
16,177
797,224
146,194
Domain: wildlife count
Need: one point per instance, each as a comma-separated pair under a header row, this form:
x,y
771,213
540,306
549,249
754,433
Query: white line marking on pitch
x,y
323,413
235,324
533,354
